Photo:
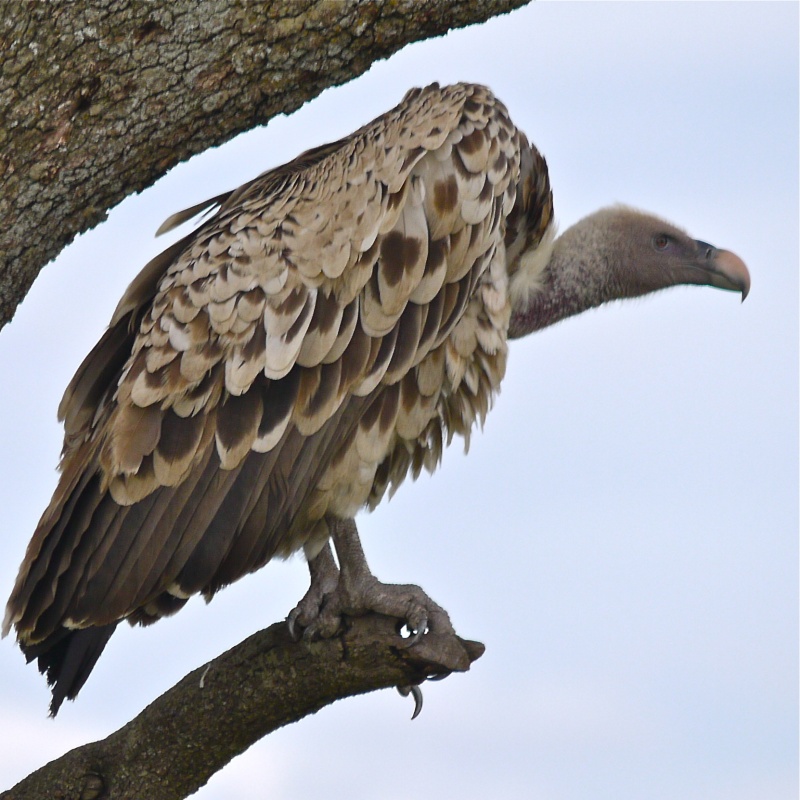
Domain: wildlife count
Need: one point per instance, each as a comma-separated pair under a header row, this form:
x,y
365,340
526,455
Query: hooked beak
x,y
724,269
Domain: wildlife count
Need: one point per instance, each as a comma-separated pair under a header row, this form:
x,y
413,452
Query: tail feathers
x,y
67,658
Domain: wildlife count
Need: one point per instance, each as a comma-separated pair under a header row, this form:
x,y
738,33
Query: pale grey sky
x,y
623,534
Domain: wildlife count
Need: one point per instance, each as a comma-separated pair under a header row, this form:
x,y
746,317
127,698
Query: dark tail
x,y
67,658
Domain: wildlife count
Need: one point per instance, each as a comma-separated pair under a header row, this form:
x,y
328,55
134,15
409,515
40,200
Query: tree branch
x,y
100,99
217,711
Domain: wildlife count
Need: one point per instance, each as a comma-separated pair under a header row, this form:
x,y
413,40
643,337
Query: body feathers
x,y
325,333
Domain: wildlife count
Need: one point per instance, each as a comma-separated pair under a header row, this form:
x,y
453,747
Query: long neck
x,y
571,285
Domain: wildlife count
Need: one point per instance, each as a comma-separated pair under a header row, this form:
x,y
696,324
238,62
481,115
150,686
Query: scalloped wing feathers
x,y
326,332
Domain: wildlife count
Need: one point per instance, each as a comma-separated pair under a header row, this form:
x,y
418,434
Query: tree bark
x,y
99,99
216,712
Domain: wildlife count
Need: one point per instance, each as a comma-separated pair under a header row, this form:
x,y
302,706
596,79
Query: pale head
x,y
617,253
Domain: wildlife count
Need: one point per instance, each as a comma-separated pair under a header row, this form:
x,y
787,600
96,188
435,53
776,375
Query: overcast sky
x,y
623,534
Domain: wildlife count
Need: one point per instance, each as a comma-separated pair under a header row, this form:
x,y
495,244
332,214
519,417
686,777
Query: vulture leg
x,y
358,592
324,578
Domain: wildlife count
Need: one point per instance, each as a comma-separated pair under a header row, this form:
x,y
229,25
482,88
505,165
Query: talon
x,y
415,621
416,693
418,632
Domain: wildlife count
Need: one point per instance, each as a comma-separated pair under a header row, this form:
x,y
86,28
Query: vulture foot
x,y
407,603
353,590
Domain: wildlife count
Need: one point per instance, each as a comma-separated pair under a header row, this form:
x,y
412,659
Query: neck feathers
x,y
553,284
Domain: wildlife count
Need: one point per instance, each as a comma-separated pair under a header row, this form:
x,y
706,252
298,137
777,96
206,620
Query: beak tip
x,y
735,270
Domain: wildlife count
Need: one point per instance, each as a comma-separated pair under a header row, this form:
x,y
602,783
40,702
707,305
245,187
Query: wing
x,y
327,331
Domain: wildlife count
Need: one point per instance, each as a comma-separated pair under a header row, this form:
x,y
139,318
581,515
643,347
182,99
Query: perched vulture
x,y
324,334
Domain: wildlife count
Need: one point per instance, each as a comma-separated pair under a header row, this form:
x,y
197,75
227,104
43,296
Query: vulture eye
x,y
661,241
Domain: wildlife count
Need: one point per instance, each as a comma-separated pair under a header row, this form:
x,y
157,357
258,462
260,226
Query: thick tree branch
x,y
100,99
216,712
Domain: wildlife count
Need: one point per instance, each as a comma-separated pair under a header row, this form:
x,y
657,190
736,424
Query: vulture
x,y
324,333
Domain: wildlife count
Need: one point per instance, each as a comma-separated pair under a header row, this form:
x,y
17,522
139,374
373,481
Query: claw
x,y
416,693
290,620
417,633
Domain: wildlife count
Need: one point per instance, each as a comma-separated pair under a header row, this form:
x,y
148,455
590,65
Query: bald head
x,y
616,253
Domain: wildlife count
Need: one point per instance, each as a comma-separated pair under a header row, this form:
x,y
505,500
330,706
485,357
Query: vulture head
x,y
613,254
